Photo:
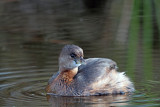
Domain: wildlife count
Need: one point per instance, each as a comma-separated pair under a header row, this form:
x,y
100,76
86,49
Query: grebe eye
x,y
73,55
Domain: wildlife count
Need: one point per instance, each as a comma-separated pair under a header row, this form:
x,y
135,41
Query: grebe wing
x,y
98,62
95,68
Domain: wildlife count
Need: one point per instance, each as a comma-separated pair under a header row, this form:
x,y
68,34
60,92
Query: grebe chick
x,y
85,77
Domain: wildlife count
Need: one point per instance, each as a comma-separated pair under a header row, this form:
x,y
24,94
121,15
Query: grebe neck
x,y
68,75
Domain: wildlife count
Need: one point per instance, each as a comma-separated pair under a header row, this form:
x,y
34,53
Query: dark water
x,y
32,33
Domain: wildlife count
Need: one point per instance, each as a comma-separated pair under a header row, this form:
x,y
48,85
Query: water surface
x,y
33,33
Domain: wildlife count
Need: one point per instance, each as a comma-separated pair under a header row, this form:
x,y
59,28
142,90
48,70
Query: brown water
x,y
32,34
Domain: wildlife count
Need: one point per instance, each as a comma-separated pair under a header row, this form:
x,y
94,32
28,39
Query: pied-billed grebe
x,y
84,77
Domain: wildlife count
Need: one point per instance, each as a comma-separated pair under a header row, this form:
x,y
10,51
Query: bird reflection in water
x,y
92,101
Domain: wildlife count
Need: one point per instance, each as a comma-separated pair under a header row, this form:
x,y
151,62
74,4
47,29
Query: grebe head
x,y
70,57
